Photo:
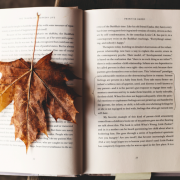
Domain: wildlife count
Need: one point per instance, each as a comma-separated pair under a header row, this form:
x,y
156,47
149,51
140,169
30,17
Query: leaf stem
x,y
35,41
30,78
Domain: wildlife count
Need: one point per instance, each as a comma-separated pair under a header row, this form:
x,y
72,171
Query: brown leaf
x,y
33,91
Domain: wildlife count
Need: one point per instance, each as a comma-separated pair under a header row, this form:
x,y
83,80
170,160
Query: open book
x,y
129,112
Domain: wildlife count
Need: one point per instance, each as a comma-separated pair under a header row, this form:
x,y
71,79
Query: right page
x,y
132,119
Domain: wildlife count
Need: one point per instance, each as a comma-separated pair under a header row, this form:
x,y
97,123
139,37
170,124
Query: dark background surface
x,y
93,4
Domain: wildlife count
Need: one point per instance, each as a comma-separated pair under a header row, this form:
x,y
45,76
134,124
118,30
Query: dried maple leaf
x,y
33,88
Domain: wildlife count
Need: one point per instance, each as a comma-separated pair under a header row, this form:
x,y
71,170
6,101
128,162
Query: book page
x,y
60,31
131,85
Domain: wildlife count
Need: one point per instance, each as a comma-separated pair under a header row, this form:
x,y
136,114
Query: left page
x,y
60,31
